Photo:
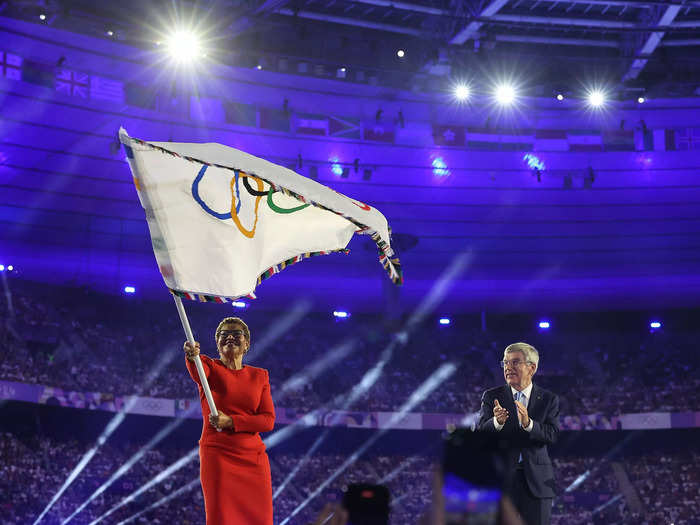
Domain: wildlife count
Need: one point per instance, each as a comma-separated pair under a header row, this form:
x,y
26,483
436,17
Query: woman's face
x,y
231,340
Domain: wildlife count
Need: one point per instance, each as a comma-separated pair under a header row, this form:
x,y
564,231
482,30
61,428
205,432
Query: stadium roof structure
x,y
649,47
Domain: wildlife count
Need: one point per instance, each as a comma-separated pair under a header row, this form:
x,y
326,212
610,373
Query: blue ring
x,y
195,195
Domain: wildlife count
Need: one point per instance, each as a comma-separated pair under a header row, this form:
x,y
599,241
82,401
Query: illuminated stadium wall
x,y
555,205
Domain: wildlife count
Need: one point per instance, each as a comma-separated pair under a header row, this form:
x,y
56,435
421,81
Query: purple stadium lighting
x,y
534,162
184,46
440,167
336,168
436,379
129,289
341,314
505,94
444,321
544,325
462,92
596,98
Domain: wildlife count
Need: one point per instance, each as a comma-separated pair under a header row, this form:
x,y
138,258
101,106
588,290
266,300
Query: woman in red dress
x,y
234,468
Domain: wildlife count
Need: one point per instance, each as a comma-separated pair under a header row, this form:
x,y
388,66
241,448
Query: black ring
x,y
254,193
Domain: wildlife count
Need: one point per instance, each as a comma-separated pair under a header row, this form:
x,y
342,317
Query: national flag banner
x,y
499,139
687,138
222,221
241,114
174,104
207,109
664,139
584,140
449,135
139,95
311,124
72,83
618,140
38,73
274,119
551,140
344,127
106,89
378,131
10,66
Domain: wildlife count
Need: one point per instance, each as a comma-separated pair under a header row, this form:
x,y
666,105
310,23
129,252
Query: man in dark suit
x,y
527,416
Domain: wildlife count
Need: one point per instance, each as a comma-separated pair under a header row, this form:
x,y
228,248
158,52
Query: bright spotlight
x,y
129,289
2,267
238,304
341,314
641,100
336,168
544,325
444,321
505,94
655,325
10,268
400,53
42,16
560,97
258,67
440,168
184,46
596,98
462,92
110,33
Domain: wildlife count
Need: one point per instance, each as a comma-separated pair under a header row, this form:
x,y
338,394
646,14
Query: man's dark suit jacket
x,y
543,409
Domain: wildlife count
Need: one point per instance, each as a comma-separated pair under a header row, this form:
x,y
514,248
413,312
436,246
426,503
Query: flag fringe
x,y
272,270
386,254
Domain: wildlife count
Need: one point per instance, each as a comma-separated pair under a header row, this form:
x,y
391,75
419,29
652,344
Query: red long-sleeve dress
x,y
234,467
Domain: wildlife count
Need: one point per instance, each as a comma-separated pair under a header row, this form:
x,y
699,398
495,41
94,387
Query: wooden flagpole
x,y
197,360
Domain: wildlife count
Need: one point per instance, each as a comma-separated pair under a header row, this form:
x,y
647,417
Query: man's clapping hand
x,y
523,416
500,413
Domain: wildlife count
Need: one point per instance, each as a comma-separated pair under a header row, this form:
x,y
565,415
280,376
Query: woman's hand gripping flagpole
x,y
197,361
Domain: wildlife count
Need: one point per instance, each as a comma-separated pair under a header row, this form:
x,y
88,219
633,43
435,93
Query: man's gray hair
x,y
530,352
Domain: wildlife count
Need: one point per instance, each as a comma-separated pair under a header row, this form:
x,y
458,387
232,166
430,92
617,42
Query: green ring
x,y
277,209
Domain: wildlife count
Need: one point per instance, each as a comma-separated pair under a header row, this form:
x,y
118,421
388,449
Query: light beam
x,y
424,390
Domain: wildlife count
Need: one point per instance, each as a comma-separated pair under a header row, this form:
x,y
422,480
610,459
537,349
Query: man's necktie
x,y
519,396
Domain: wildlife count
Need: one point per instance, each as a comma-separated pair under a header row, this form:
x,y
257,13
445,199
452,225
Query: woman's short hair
x,y
234,320
530,352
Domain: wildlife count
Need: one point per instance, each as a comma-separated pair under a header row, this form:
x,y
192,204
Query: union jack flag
x,y
11,66
72,83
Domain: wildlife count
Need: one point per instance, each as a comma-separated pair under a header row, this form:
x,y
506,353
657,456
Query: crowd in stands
x,y
76,339
648,489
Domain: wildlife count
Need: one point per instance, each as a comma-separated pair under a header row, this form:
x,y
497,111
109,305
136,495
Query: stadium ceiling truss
x,y
626,34
645,44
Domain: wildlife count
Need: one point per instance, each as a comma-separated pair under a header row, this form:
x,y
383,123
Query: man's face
x,y
231,339
516,371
